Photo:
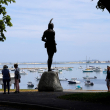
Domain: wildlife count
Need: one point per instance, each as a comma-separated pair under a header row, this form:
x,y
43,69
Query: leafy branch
x,y
6,19
100,5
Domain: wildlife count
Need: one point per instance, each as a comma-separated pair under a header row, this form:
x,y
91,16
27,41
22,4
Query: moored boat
x,y
30,84
12,69
97,69
32,70
78,87
40,70
87,77
88,82
105,72
73,81
91,67
87,70
69,69
22,72
63,79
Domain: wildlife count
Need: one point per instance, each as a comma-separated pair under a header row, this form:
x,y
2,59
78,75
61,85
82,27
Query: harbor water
x,y
99,82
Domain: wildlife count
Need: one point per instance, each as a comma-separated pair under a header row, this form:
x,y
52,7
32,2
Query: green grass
x,y
89,97
21,90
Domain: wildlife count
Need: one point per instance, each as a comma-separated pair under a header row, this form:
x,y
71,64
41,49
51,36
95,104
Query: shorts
x,y
108,82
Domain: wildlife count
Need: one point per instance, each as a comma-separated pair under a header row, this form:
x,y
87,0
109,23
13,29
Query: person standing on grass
x,y
6,78
17,77
49,39
108,78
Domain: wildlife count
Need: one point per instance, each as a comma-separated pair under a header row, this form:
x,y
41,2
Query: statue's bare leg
x,y
49,62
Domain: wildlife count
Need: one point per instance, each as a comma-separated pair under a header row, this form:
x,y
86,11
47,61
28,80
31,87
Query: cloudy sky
x,y
81,30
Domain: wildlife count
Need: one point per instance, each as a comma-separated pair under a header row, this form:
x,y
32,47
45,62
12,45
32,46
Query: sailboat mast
x,y
86,61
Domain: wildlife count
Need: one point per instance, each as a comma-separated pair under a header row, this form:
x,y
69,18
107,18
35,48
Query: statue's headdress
x,y
50,25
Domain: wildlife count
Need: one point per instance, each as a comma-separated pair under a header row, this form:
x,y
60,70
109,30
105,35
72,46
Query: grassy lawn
x,y
89,97
21,90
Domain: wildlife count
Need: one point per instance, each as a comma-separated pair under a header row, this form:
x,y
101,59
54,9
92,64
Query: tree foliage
x,y
102,4
6,19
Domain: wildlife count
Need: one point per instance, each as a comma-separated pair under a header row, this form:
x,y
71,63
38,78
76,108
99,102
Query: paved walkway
x,y
46,100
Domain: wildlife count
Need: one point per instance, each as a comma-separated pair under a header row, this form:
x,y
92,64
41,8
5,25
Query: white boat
x,y
88,82
32,70
22,72
80,67
97,69
63,79
87,77
78,87
73,81
87,70
40,70
30,84
13,69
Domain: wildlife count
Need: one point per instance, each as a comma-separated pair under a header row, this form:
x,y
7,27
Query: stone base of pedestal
x,y
50,82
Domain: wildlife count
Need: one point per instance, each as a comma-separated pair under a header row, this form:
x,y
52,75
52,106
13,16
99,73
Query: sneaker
x,y
4,93
18,92
15,92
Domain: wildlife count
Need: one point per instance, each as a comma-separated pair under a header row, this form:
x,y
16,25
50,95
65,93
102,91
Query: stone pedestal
x,y
50,82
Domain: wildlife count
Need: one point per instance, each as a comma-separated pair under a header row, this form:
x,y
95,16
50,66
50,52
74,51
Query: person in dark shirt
x,y
49,39
6,78
17,78
108,78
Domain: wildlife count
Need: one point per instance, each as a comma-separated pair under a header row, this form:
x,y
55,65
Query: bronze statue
x,y
49,39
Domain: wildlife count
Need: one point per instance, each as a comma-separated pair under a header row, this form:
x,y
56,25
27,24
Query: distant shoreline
x,y
36,68
104,62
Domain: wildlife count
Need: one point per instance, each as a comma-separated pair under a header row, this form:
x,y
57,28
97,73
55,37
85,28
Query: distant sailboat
x,y
87,69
